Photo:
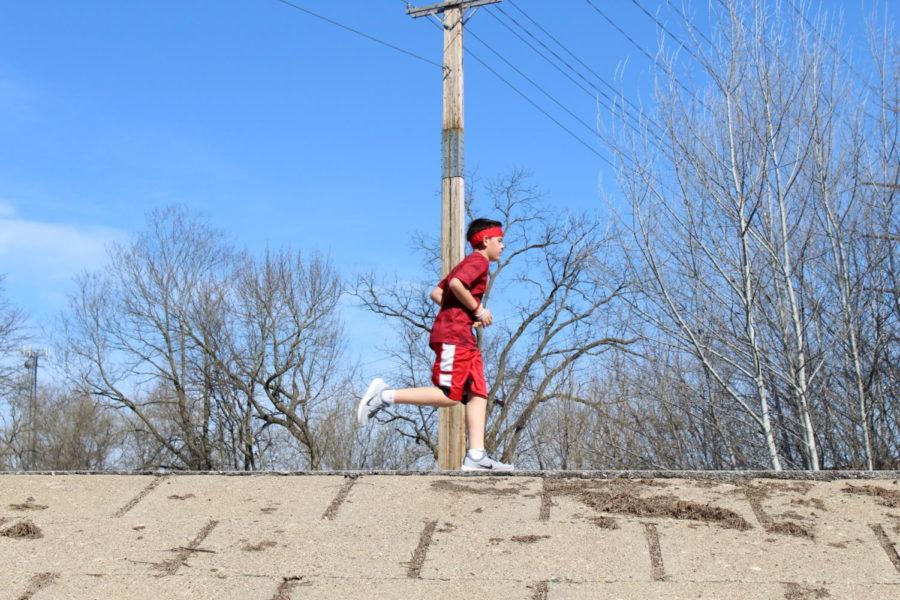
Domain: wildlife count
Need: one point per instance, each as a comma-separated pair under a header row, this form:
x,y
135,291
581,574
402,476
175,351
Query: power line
x,y
563,127
524,95
666,29
659,143
535,104
532,82
611,101
542,55
540,109
688,22
546,114
572,54
360,33
622,31
652,58
554,54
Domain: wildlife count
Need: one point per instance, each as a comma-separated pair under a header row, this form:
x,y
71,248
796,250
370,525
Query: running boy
x,y
458,372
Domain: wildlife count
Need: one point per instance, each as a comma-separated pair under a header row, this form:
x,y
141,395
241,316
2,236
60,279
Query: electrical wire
x,y
437,23
533,103
360,33
612,88
666,29
544,112
611,101
538,107
687,20
531,81
652,58
622,31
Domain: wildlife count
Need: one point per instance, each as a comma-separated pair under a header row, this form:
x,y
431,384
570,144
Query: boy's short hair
x,y
480,225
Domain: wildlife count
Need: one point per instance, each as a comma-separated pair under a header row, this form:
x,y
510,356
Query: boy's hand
x,y
484,316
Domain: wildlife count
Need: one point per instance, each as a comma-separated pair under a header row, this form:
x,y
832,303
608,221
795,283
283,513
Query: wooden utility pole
x,y
451,435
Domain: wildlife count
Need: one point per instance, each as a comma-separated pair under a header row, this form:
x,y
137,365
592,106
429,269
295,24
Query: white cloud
x,y
38,262
58,248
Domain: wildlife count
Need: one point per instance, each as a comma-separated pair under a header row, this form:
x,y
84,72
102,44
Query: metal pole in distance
x,y
32,357
34,375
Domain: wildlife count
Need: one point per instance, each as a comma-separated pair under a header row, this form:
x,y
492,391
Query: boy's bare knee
x,y
446,400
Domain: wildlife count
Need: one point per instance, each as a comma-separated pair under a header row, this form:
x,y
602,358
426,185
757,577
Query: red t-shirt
x,y
453,324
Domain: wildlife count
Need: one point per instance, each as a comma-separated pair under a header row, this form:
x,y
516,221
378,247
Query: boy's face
x,y
493,246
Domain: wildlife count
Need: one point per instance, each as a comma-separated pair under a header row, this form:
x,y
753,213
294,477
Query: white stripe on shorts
x,y
445,380
447,353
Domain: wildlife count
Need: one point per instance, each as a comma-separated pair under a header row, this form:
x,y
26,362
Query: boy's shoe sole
x,y
465,468
363,408
490,467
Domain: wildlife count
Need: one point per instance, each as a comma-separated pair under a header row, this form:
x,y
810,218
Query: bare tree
x,y
13,426
734,268
128,344
207,348
12,322
277,340
77,433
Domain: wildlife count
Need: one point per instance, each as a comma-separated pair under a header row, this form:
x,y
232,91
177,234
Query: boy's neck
x,y
483,252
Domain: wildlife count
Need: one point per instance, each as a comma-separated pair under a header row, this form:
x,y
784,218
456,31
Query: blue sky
x,y
280,128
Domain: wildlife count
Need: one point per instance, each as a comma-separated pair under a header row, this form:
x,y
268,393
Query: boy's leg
x,y
449,375
476,415
423,396
476,458
476,407
378,396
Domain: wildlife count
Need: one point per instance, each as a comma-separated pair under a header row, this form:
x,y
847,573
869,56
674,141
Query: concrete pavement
x,y
529,536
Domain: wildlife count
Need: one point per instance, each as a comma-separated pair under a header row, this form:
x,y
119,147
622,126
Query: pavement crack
x,y
133,502
761,515
331,511
37,583
546,502
171,566
755,496
889,548
287,587
656,559
540,592
796,591
418,559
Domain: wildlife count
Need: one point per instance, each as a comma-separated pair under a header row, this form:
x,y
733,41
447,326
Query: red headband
x,y
479,237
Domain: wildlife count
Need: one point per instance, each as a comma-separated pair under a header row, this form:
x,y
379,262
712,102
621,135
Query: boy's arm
x,y
437,295
460,290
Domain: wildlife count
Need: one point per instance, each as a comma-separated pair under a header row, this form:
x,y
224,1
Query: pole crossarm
x,y
433,9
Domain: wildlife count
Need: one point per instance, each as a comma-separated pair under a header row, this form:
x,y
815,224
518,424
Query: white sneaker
x,y
485,464
371,401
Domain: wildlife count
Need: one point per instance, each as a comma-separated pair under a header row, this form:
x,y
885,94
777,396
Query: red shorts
x,y
459,371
